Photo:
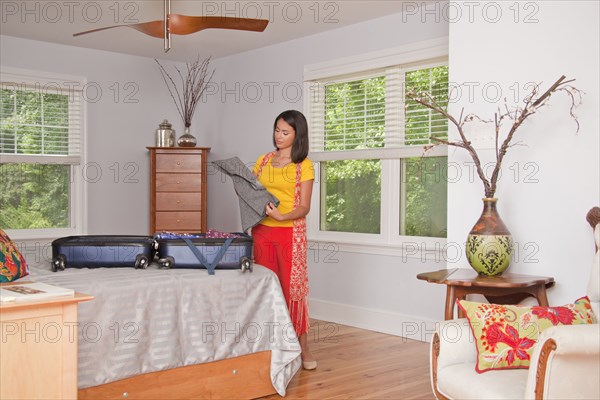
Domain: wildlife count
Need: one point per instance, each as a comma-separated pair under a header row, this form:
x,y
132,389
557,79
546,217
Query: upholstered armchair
x,y
564,364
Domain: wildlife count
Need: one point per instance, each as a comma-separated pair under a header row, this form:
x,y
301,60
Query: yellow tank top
x,y
281,182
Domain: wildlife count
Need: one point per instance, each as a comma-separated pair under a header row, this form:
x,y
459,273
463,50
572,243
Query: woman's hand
x,y
273,212
299,212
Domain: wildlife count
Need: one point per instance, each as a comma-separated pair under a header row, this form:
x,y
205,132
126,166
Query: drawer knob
x,y
178,163
178,201
178,221
178,182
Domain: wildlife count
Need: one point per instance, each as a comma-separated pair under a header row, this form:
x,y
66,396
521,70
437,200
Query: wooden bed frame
x,y
244,377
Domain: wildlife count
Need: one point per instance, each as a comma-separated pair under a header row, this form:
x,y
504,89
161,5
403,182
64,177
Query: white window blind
x,y
421,123
365,116
40,120
354,115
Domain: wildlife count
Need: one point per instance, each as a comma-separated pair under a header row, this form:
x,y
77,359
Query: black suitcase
x,y
96,251
199,251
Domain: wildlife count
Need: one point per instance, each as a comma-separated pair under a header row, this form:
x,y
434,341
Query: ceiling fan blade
x,y
185,24
152,28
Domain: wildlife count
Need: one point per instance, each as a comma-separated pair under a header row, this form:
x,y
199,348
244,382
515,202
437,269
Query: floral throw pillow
x,y
12,263
505,335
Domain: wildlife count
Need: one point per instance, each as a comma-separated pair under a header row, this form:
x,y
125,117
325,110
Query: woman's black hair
x,y
296,120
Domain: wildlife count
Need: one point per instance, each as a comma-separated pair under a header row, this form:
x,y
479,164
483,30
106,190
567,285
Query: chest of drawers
x,y
178,189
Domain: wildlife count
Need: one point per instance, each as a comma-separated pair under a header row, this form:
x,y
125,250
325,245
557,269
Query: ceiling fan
x,y
177,24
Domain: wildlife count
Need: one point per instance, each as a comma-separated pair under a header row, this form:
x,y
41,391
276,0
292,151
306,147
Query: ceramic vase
x,y
489,244
187,139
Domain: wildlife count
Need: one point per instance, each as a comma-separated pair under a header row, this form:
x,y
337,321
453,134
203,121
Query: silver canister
x,y
165,136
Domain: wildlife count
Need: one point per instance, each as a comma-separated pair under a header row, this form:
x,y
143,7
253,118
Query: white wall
x,y
126,100
236,119
545,204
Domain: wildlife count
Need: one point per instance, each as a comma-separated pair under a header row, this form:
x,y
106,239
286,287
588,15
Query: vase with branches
x,y
489,244
186,90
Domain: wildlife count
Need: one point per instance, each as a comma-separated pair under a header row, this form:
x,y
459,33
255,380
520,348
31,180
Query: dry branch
x,y
193,85
532,103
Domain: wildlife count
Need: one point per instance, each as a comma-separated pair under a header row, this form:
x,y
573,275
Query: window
x,y
40,148
375,185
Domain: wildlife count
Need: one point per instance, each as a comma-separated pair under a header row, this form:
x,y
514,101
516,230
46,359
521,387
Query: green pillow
x,y
505,335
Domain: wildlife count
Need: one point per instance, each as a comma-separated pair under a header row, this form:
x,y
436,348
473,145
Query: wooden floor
x,y
360,364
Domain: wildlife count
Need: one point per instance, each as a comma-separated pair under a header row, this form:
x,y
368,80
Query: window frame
x,y
388,241
78,186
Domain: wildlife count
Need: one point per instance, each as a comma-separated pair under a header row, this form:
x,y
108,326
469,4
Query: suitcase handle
x,y
209,266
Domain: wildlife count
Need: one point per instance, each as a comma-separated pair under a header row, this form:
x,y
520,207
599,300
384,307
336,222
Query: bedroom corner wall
x,y
552,179
371,291
542,210
125,100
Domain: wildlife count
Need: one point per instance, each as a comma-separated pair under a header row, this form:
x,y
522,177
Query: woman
x,y
280,238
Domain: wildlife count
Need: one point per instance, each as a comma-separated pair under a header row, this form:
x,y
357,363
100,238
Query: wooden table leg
x,y
460,293
450,299
541,296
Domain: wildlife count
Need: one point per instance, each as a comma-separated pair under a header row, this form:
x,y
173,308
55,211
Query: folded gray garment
x,y
252,195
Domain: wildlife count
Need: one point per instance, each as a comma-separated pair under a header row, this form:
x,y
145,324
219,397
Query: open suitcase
x,y
199,251
96,251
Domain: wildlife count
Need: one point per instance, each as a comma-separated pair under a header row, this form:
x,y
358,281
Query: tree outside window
x,y
39,146
363,117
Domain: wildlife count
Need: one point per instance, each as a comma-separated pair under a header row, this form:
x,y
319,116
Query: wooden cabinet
x,y
38,350
178,189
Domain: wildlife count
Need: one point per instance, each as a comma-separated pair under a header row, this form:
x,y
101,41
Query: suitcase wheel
x,y
166,263
141,261
245,264
58,264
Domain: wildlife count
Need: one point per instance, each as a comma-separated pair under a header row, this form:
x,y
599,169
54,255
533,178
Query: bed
x,y
180,333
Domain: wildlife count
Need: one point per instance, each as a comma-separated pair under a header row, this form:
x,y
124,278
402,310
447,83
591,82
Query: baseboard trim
x,y
406,326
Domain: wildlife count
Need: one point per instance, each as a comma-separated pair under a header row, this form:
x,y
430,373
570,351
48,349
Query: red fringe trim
x,y
299,316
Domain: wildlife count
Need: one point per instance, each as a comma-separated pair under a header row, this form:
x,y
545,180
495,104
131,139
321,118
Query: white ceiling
x,y
56,21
